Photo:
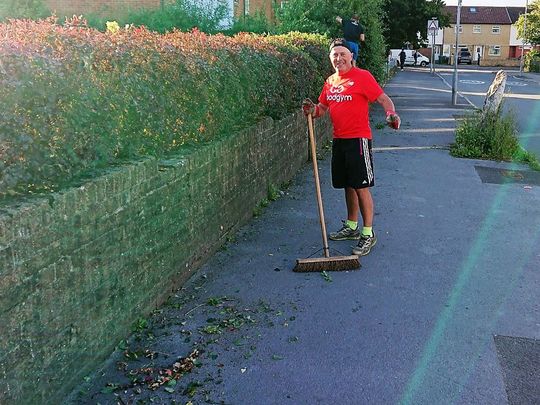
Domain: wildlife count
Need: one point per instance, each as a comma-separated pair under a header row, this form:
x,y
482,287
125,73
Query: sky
x,y
486,3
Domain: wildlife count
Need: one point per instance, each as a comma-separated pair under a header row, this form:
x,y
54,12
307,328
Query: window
x,y
496,29
460,29
476,29
246,7
494,50
472,9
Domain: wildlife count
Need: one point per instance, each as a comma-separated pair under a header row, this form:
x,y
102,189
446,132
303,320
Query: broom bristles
x,y
336,263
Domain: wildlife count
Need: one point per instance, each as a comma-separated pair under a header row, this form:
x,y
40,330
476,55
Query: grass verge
x,y
491,136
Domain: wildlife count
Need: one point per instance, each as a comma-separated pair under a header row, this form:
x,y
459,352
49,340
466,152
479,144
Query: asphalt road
x,y
522,97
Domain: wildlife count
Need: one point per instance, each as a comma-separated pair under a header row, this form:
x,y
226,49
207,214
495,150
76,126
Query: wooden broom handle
x,y
313,148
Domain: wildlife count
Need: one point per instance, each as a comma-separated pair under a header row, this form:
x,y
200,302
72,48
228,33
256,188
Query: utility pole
x,y
455,76
522,59
432,52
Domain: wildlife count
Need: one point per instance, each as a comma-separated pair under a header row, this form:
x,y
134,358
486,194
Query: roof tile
x,y
515,12
480,15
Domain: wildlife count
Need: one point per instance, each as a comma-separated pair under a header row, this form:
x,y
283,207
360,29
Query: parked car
x,y
464,56
409,57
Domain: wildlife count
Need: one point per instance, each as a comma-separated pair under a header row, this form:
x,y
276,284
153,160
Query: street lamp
x,y
522,59
454,77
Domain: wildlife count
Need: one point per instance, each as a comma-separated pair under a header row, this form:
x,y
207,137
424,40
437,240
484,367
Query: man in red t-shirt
x,y
346,95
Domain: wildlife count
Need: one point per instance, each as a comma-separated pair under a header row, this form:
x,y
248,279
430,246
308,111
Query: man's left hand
x,y
393,119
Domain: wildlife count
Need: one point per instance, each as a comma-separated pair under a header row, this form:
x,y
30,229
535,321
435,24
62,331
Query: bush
x,y
532,61
183,15
23,9
489,136
319,16
257,24
75,99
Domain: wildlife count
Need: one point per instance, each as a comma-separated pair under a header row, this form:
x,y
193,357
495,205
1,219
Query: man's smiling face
x,y
341,59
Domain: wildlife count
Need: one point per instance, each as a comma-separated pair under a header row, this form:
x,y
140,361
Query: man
x,y
415,55
346,95
402,57
353,33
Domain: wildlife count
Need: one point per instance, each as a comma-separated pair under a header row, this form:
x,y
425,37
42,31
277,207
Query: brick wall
x,y
77,268
69,7
253,7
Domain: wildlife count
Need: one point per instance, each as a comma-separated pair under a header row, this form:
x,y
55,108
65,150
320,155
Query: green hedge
x,y
75,99
532,61
489,135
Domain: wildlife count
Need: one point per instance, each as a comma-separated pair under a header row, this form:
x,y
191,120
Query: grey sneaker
x,y
364,245
345,233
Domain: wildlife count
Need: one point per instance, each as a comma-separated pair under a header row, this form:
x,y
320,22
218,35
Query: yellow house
x,y
485,32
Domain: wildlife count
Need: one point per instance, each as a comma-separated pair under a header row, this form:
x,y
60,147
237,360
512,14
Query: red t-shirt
x,y
348,97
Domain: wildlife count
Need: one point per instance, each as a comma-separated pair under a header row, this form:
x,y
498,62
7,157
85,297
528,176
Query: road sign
x,y
433,26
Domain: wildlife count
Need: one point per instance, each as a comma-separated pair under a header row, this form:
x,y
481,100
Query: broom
x,y
326,263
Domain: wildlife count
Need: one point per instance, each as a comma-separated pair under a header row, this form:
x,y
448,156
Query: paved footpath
x,y
445,309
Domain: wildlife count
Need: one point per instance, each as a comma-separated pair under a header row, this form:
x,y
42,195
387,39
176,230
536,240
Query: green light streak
x,y
456,297
532,126
444,317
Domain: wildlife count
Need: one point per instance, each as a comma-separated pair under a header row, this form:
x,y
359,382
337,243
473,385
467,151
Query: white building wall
x,y
514,40
212,4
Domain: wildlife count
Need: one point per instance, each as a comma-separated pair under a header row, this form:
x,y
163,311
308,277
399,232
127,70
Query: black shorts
x,y
352,163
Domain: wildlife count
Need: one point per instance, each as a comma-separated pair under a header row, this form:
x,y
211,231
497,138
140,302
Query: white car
x,y
409,57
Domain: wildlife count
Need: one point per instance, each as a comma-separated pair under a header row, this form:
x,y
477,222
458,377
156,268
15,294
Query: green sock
x,y
353,225
367,231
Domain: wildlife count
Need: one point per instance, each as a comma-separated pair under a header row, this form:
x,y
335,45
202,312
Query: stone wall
x,y
491,61
79,267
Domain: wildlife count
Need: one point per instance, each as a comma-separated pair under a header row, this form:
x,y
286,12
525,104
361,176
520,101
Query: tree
x,y
23,9
404,18
319,16
531,34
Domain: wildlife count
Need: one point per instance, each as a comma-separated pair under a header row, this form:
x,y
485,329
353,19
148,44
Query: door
x,y
478,52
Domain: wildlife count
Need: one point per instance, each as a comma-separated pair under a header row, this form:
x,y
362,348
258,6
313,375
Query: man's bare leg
x,y
351,198
368,239
366,205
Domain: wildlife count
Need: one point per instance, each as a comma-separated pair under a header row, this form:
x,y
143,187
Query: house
x,y
484,31
117,8
252,7
516,44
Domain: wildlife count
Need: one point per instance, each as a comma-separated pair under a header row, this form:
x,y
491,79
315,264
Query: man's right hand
x,y
308,107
